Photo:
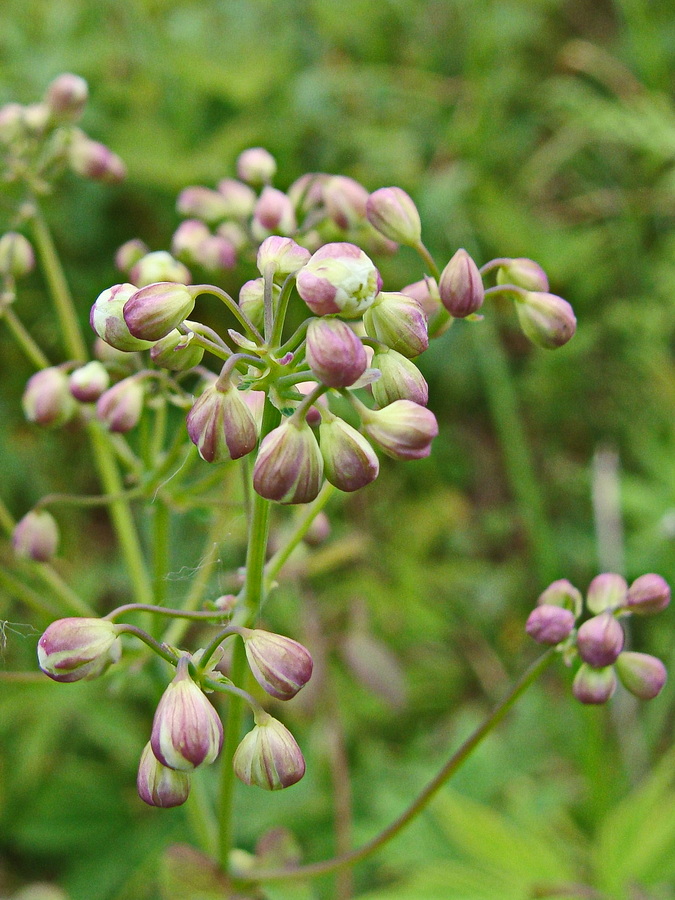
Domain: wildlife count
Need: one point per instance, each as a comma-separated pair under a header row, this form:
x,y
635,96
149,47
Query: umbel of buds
x,y
158,785
280,665
269,756
36,536
78,648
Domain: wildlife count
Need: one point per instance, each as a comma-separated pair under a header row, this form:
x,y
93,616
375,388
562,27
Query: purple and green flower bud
x,y
339,278
187,238
524,273
78,648
400,379
550,625
562,593
395,215
89,381
460,286
221,424
403,430
91,159
289,465
155,310
426,294
345,201
66,97
648,594
16,255
547,320
280,665
641,674
306,192
159,266
319,531
606,592
600,640
129,253
176,351
399,322
159,785
282,256
202,203
256,166
350,463
269,756
274,212
120,407
335,353
216,254
36,536
252,299
239,198
107,318
47,400
594,686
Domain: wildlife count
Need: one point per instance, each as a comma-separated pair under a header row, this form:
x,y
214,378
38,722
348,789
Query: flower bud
x,y
36,536
404,430
221,424
306,192
274,211
550,624
234,233
252,302
269,756
289,466
89,381
186,729
641,674
426,294
78,648
280,665
158,266
606,591
202,203
600,640
155,310
319,531
350,463
399,322
47,399
16,255
66,97
239,198
91,159
129,253
594,685
256,166
159,785
335,354
648,594
120,407
282,255
107,318
461,286
339,278
395,215
548,321
400,379
563,593
524,273
177,351
187,238
215,254
345,201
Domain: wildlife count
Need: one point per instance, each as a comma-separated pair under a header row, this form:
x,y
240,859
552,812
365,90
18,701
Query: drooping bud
x,y
155,310
36,536
91,159
239,198
256,166
107,318
176,351
66,97
269,756
345,201
547,320
395,215
120,407
404,430
89,381
221,424
350,463
202,203
186,730
339,278
47,399
335,354
549,624
129,253
282,255
606,591
641,674
159,266
78,648
274,211
524,273
187,238
289,466
280,665
16,255
461,286
594,685
159,785
399,322
400,379
648,594
600,640
563,593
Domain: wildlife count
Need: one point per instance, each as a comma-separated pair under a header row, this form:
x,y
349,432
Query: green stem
x,y
161,522
235,717
280,313
27,595
160,650
429,260
24,340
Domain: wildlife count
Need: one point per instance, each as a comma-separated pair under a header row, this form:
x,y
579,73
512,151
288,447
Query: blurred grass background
x,y
543,128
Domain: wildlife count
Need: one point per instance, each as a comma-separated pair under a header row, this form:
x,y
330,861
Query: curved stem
x,y
233,307
206,615
151,642
30,348
428,259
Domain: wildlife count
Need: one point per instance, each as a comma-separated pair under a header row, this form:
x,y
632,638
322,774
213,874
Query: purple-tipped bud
x,y
524,273
252,302
36,536
289,466
256,166
186,730
350,463
399,322
547,320
594,685
606,591
269,756
221,424
648,594
600,640
157,309
641,674
215,253
404,430
426,294
75,649
159,785
345,201
319,531
202,203
274,211
395,215
239,198
66,97
159,266
16,255
120,407
91,159
280,665
400,379
335,354
129,254
339,278
461,286
187,238
107,318
282,255
89,381
550,624
178,352
562,593
47,399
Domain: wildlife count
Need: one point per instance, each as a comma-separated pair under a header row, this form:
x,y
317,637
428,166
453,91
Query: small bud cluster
x,y
598,642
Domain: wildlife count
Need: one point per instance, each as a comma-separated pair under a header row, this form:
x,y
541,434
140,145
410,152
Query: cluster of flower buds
x,y
598,642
